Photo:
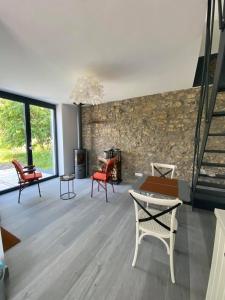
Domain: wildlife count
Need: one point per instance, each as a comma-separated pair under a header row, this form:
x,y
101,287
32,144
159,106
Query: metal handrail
x,y
221,16
205,102
204,87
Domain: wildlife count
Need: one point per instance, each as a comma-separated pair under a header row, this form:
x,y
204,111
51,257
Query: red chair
x,y
26,176
104,176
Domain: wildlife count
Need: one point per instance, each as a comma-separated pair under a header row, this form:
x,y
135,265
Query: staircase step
x,y
211,184
219,114
214,151
217,176
211,191
217,134
220,89
203,199
210,164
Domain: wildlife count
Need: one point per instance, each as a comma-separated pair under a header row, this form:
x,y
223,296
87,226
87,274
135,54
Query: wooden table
x,y
176,188
160,185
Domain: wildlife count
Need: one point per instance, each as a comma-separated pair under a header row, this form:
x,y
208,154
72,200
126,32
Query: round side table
x,y
70,192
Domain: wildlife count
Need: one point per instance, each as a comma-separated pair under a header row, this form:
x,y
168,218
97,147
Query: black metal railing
x,y
208,95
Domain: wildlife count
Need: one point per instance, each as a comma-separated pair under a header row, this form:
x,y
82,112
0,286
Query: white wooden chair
x,y
163,169
161,224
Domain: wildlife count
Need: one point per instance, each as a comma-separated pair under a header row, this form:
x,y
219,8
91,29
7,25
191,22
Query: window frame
x,y
27,101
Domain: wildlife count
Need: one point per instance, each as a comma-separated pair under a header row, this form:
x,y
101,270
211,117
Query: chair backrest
x,y
163,170
141,199
19,169
110,165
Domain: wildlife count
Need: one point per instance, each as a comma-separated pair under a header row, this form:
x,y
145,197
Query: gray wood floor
x,y
83,248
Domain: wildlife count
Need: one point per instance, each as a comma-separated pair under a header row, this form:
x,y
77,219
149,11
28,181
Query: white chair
x,y
161,224
170,169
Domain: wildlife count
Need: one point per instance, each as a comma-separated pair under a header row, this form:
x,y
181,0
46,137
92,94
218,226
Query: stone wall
x,y
156,128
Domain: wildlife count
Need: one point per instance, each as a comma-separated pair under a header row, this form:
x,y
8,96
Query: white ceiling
x,y
135,47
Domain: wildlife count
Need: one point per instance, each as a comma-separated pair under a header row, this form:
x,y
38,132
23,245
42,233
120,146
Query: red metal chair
x,y
104,176
26,176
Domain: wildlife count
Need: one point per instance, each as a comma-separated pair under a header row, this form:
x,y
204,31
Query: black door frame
x,y
28,134
27,101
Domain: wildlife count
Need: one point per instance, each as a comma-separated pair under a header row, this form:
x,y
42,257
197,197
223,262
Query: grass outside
x,y
42,158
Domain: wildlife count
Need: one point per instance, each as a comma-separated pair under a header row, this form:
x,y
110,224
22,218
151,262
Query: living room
x,y
112,150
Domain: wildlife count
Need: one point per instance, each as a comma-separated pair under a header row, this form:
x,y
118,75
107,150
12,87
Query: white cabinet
x,y
216,285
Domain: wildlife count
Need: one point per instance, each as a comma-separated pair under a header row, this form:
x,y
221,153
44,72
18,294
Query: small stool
x,y
69,194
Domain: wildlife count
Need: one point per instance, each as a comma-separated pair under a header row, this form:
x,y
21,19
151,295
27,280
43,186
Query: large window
x,y
27,133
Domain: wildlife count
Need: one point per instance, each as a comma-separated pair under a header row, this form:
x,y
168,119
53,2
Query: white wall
x,y
67,137
216,33
216,39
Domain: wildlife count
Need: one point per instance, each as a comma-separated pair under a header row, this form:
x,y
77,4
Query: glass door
x,y
12,141
42,142
27,134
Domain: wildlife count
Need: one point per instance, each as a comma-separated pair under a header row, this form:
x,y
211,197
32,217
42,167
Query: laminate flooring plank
x,y
30,196
60,265
43,248
96,264
105,265
39,214
78,255
60,233
82,249
200,248
146,281
181,289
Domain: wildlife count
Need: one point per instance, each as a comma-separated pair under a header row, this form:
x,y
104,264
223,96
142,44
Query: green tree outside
x,y
12,124
12,133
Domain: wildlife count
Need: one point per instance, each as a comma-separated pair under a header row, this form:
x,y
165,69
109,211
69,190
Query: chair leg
x,y
113,187
92,188
106,198
139,240
171,259
136,246
19,193
98,186
39,189
174,236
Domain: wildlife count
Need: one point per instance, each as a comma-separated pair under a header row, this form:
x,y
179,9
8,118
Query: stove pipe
x,y
80,154
79,126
